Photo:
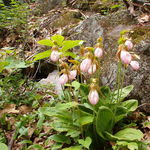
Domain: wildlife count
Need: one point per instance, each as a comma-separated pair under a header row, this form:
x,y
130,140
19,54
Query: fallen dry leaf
x,y
144,18
9,109
25,109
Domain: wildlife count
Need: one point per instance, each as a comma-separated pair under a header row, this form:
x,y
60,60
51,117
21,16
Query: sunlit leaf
x,y
130,105
58,39
130,134
70,44
76,85
3,146
42,55
124,92
46,42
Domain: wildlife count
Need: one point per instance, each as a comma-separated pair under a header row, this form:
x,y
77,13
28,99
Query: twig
x,y
11,141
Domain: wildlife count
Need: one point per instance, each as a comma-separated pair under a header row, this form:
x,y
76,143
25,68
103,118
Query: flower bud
x,y
85,65
63,79
92,69
93,97
129,44
125,57
135,65
72,74
98,52
55,56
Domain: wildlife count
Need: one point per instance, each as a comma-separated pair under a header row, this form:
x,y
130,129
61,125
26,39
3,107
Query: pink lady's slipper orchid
x,y
98,52
135,65
128,44
63,79
72,74
125,57
92,69
93,97
85,65
55,56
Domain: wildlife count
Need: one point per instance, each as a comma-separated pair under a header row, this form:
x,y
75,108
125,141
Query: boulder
x,y
109,27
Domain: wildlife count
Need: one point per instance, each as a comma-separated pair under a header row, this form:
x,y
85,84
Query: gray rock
x,y
109,28
53,78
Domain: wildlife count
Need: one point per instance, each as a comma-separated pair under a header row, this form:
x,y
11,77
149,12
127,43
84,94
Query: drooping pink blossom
x,y
129,44
135,65
63,79
55,55
85,65
93,97
98,52
72,74
92,69
125,57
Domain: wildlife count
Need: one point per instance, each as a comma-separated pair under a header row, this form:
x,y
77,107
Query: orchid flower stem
x,y
119,80
122,80
94,127
116,84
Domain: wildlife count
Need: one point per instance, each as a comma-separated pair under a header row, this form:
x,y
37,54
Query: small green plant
x,y
87,115
13,16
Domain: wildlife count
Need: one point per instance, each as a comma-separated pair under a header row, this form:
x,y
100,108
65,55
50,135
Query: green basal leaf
x,y
63,126
3,146
73,148
58,39
25,142
56,146
132,146
121,112
73,133
46,42
42,55
86,120
86,105
60,138
122,93
41,120
129,134
36,147
85,143
70,44
76,85
104,121
130,105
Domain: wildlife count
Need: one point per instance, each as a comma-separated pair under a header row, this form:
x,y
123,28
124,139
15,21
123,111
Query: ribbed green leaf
x,y
104,121
60,138
130,105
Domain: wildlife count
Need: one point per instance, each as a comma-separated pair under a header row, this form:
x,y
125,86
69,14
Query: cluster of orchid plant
x,y
126,57
90,63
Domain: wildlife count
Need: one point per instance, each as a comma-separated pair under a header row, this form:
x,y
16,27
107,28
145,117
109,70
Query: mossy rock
x,y
139,34
67,18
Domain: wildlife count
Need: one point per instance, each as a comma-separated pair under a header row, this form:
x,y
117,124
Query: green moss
x,y
67,18
140,33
